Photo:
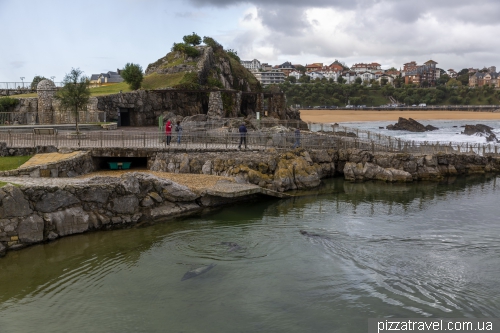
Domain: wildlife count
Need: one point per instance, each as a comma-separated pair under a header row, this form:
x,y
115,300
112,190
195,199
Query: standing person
x,y
168,132
178,129
243,135
297,138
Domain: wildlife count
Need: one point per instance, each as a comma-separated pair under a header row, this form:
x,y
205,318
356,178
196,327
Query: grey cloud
x,y
17,64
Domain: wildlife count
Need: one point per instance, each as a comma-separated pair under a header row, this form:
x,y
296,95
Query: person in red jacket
x,y
168,132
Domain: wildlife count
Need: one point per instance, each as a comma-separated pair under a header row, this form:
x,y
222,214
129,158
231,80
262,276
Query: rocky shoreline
x,y
33,213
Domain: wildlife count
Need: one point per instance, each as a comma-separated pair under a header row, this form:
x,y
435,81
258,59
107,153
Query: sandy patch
x,y
195,182
338,116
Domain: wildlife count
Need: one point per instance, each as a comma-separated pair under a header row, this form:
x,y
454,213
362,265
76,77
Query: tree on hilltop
x,y
132,75
37,80
75,93
192,39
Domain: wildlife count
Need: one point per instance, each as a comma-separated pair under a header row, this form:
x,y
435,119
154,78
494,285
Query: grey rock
x,y
206,169
125,205
147,201
116,220
95,194
52,201
176,192
14,204
156,197
52,236
184,164
130,183
69,221
30,229
165,210
3,249
35,173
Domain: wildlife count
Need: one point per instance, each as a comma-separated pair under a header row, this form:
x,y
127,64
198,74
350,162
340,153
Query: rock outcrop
x,y
35,214
411,125
481,130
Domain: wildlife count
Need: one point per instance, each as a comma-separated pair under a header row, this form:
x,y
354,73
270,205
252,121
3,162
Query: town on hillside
x,y
420,75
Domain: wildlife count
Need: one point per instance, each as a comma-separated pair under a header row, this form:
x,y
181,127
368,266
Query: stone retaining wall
x,y
283,171
80,164
35,214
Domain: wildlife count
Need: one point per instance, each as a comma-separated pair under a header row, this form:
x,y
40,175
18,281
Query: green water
x,y
379,250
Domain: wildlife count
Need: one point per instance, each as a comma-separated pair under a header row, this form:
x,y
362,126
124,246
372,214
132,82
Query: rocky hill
x,y
213,68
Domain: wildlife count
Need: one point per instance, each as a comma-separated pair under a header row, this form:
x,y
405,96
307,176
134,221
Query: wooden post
x,y
10,138
100,137
144,138
123,140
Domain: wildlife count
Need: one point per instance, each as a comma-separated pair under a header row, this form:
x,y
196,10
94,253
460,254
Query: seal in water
x,y
308,234
198,271
232,246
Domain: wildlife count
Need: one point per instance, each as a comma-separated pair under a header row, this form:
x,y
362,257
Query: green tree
x,y
132,75
37,80
192,39
75,94
453,83
233,54
358,80
340,80
443,79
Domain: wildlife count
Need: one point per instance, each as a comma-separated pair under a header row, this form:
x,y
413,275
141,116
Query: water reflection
x,y
382,250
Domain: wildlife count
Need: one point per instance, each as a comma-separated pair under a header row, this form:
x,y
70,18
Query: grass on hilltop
x,y
152,81
12,162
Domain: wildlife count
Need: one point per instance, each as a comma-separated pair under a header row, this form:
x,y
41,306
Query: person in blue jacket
x,y
243,135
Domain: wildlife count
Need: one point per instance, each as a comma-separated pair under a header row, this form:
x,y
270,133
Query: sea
x,y
448,130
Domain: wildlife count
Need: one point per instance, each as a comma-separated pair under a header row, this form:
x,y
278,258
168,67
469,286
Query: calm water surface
x,y
381,250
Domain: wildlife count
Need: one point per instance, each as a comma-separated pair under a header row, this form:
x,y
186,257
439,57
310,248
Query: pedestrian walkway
x,y
48,158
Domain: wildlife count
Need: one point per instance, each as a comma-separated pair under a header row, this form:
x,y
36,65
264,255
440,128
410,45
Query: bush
x,y
212,43
186,49
132,75
6,103
233,54
193,39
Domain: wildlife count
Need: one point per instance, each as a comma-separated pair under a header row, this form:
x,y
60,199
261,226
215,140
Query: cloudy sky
x,y
50,37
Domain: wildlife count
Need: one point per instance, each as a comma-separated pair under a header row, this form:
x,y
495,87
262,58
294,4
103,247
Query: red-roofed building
x,y
317,66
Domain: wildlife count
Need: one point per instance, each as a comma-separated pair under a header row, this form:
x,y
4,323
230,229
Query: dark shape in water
x,y
308,234
198,271
232,246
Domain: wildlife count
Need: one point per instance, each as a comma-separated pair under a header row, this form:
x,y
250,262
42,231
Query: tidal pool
x,y
373,250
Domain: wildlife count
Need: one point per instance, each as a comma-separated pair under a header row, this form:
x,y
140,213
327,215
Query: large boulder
x,y
70,221
50,202
30,229
410,125
481,130
13,203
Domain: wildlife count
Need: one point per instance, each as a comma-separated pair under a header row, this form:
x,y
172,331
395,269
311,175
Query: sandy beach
x,y
338,116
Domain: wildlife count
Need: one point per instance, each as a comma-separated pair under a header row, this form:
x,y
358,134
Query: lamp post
x,y
22,79
52,78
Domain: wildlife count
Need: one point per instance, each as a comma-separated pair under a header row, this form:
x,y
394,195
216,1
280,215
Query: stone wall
x,y
35,214
363,165
80,163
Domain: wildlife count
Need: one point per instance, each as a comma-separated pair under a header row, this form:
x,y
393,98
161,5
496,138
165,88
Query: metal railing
x,y
223,134
225,140
37,118
22,85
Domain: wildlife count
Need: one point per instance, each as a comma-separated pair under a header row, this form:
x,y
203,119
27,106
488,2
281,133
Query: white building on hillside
x,y
252,66
274,76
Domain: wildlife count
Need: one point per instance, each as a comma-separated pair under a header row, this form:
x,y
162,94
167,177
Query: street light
x,y
52,78
22,79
